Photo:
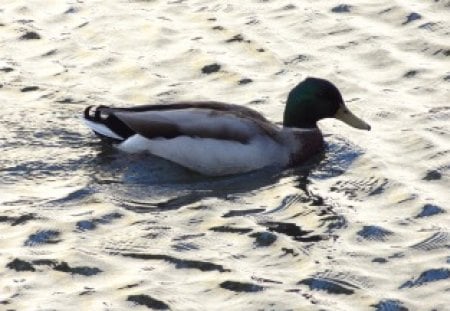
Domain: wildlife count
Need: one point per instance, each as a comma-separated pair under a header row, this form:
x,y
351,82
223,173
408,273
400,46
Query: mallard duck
x,y
215,138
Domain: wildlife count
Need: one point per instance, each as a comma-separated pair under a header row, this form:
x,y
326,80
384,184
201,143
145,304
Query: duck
x,y
216,138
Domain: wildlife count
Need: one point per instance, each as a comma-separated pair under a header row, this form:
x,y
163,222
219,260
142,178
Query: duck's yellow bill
x,y
346,116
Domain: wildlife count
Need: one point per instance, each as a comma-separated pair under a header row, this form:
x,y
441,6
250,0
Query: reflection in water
x,y
147,212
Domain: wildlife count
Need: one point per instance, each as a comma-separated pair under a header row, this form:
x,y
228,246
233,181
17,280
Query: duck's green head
x,y
315,99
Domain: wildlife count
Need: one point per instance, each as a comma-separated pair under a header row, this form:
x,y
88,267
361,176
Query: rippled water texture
x,y
363,226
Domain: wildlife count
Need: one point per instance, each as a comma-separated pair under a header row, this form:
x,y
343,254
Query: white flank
x,y
212,156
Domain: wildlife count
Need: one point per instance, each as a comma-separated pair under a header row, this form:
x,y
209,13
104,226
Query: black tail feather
x,y
105,115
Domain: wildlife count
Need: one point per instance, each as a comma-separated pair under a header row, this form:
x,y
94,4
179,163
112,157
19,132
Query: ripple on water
x,y
331,286
43,237
435,241
374,233
292,230
179,263
428,276
22,265
339,154
87,225
19,220
149,302
390,305
263,239
240,287
430,210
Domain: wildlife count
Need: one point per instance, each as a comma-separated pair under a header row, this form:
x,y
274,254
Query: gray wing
x,y
197,119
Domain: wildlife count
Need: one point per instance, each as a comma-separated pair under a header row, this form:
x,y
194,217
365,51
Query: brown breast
x,y
311,143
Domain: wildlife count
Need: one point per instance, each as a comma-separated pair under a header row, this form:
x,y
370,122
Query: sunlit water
x,y
363,226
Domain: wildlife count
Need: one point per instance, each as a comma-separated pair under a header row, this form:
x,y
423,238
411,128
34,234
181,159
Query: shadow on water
x,y
146,183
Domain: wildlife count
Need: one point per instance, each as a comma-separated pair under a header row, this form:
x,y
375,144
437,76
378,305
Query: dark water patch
x,y
337,157
87,291
292,230
50,53
184,246
342,8
43,237
257,102
73,197
6,69
130,286
167,205
292,199
386,10
237,38
263,280
19,220
380,260
331,286
29,89
428,276
297,59
410,73
30,35
149,302
240,287
430,210
239,213
289,7
179,263
389,305
153,179
20,265
188,237
72,10
86,225
245,81
289,251
340,31
68,100
397,255
334,222
370,186
264,239
429,26
374,233
82,25
82,270
432,175
24,21
178,202
108,218
44,262
228,229
436,241
412,17
208,69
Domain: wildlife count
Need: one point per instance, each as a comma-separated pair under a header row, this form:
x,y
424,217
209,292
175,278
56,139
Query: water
x,y
89,210
363,226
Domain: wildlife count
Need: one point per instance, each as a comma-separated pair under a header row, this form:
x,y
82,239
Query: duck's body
x,y
211,138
